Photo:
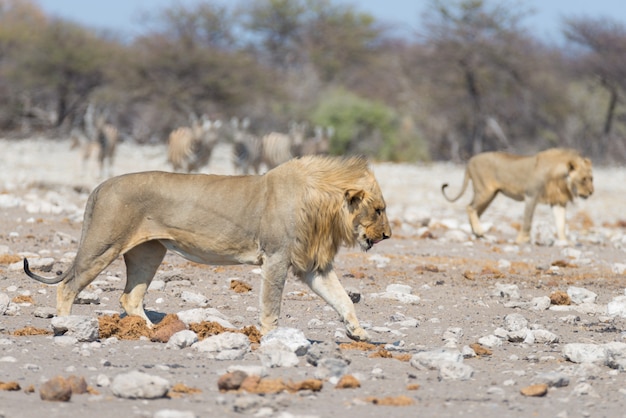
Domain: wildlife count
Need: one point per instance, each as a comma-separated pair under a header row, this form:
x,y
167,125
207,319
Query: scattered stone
x,y
348,382
231,381
168,327
510,291
57,389
239,286
560,298
331,369
225,346
479,350
275,353
4,303
10,386
586,353
78,385
579,295
83,328
401,400
172,413
182,339
324,349
553,379
138,385
200,315
292,338
538,390
41,312
87,298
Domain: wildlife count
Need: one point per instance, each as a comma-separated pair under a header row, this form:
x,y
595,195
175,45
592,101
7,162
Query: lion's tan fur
x,y
555,177
294,217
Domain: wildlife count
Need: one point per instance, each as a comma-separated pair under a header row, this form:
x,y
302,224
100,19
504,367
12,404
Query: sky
x,y
125,15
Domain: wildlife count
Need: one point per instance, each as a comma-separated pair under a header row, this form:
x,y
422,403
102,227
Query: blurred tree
x,y
476,61
603,44
63,64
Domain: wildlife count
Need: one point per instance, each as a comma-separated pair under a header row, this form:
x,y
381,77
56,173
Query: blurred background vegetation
x,y
473,79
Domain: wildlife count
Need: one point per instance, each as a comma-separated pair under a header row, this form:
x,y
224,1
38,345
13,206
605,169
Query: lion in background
x,y
555,177
295,217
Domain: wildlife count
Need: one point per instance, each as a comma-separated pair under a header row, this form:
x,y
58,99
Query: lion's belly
x,y
207,256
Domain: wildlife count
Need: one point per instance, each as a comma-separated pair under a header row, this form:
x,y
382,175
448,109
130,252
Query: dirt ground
x,y
43,189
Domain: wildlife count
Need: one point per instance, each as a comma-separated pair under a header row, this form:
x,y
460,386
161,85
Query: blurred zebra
x,y
279,148
247,148
190,148
318,144
101,140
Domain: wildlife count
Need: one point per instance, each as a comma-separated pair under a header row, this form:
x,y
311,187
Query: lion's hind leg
x,y
85,269
477,207
328,287
142,262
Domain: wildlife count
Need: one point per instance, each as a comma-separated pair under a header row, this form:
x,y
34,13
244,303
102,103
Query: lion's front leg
x,y
328,287
274,277
529,209
559,219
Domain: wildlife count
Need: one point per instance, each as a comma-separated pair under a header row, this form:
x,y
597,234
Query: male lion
x,y
555,176
296,216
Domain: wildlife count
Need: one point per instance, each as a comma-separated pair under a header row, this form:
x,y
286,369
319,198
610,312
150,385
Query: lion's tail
x,y
42,279
454,199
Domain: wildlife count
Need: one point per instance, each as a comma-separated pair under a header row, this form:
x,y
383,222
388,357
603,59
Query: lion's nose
x,y
386,236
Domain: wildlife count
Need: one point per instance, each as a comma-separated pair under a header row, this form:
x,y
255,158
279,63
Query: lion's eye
x,y
379,212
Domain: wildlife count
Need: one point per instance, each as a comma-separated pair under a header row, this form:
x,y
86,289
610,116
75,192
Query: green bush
x,y
366,127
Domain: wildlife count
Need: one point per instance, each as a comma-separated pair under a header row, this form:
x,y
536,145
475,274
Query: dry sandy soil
x,y
43,189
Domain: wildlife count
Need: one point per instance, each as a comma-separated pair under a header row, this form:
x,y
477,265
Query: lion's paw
x,y
358,334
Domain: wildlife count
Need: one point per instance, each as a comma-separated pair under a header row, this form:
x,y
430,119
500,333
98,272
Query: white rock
x,y
4,303
138,385
543,336
87,298
328,368
204,314
182,339
173,413
490,341
157,285
586,353
580,295
553,379
540,303
434,358
103,380
399,288
249,369
515,322
194,298
225,346
293,338
275,353
617,307
507,290
618,268
455,371
83,328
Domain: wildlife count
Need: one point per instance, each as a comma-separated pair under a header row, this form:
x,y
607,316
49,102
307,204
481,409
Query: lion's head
x,y
342,205
580,178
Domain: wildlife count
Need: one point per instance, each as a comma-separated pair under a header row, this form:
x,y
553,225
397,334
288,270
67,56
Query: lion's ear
x,y
354,196
571,166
